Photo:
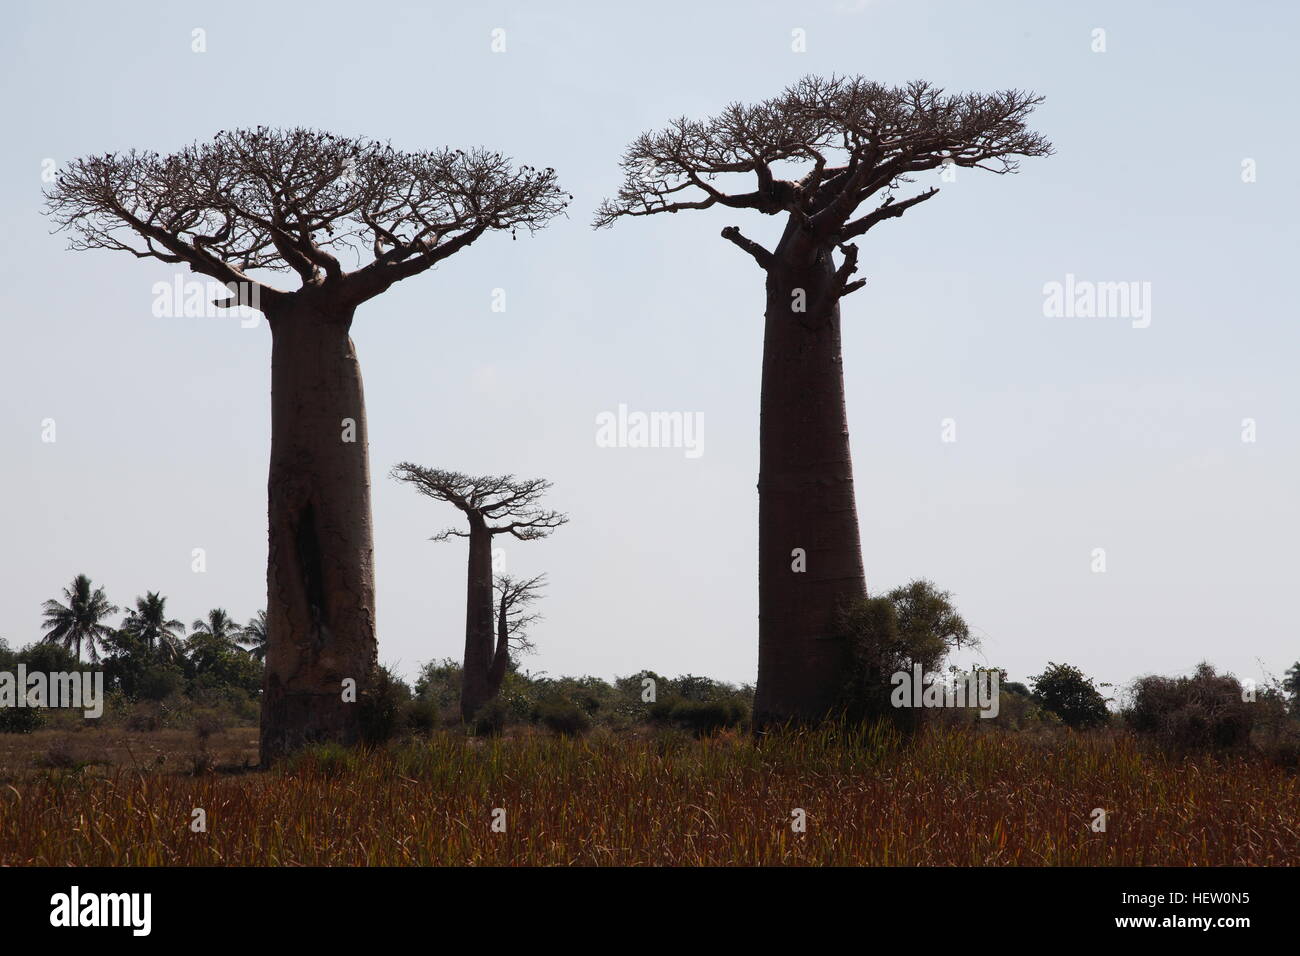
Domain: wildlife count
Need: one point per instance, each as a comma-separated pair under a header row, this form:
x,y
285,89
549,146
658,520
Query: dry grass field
x,y
952,797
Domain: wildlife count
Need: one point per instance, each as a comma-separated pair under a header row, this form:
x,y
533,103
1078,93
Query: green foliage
x,y
439,682
160,682
564,717
1064,691
21,720
700,717
913,624
383,704
1291,684
491,719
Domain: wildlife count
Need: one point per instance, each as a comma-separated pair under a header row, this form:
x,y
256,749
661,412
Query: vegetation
x,y
949,796
1066,692
831,158
913,625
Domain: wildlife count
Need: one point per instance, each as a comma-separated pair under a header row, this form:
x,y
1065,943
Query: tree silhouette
x,y
514,597
78,621
304,202
149,623
492,505
218,629
843,142
253,637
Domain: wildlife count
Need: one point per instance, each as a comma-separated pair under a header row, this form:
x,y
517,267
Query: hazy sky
x,y
1072,433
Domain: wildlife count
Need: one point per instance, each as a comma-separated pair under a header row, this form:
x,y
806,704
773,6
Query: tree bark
x,y
501,656
476,680
805,491
320,568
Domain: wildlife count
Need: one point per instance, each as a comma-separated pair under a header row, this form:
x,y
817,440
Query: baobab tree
x,y
492,505
349,218
830,156
514,597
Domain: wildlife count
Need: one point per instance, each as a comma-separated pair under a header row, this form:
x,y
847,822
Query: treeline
x,y
157,675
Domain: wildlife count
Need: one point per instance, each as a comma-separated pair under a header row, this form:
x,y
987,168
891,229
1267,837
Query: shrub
x,y
491,719
1064,690
422,715
911,625
160,682
700,717
439,681
1198,713
707,716
563,717
21,720
382,702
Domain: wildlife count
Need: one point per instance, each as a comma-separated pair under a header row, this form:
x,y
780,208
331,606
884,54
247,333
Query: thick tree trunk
x,y
805,492
320,571
476,682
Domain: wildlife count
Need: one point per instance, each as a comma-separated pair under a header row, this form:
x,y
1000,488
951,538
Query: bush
x,y
160,682
491,719
911,625
383,703
563,717
422,715
1186,714
439,682
1065,691
703,717
21,720
700,717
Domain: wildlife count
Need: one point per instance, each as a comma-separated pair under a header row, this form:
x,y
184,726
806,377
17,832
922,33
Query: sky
x,y
1167,439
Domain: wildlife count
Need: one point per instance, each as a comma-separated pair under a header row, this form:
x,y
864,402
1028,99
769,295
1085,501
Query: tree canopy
x,y
840,141
298,201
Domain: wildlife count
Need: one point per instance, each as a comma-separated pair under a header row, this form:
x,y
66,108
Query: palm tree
x,y
149,622
77,621
219,630
254,636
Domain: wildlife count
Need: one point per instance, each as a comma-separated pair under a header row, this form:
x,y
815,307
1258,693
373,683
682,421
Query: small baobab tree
x,y
348,217
830,156
515,597
492,505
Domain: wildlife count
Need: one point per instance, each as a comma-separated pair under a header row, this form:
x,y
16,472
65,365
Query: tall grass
x,y
951,796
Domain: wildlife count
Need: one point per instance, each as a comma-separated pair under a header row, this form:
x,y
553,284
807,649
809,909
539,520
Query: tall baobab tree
x,y
830,156
304,203
78,621
492,505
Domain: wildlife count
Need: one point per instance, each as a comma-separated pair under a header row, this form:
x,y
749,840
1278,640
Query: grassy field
x,y
953,796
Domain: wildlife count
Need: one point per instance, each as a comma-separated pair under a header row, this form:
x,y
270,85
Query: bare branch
x,y
299,201
854,138
761,255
